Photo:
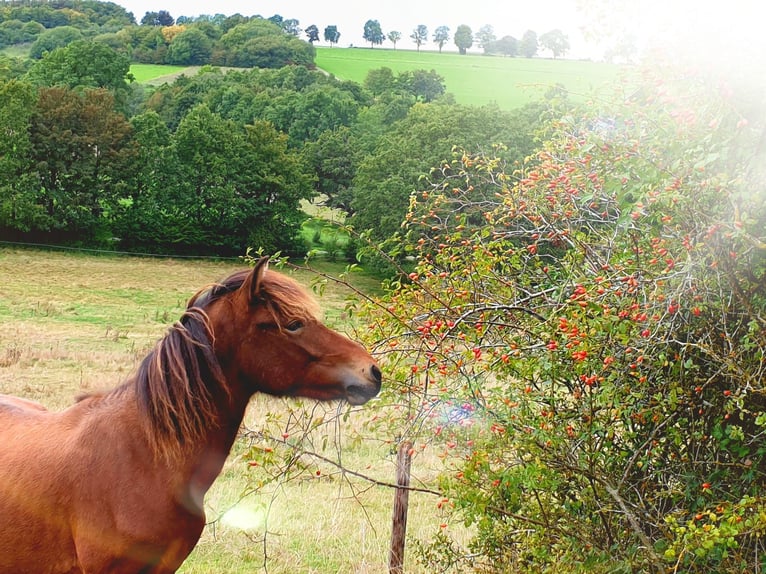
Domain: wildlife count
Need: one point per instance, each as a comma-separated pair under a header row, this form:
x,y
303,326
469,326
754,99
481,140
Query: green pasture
x,y
473,79
476,79
157,73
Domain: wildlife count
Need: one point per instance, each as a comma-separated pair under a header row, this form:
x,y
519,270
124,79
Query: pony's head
x,y
268,338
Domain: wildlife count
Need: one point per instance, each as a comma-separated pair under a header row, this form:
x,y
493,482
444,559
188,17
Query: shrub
x,y
599,313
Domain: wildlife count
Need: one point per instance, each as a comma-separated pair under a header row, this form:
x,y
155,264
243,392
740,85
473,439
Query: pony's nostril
x,y
376,374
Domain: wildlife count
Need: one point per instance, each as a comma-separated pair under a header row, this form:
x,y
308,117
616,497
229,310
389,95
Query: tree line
x,y
218,162
161,39
464,38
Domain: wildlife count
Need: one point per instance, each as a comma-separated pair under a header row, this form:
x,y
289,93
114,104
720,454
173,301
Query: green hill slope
x,y
476,79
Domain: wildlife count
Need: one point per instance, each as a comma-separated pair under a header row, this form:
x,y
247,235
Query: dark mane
x,y
176,382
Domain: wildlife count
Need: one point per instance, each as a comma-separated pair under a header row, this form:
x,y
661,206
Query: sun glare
x,y
246,516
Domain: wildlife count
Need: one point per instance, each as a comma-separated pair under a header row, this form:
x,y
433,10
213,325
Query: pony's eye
x,y
294,326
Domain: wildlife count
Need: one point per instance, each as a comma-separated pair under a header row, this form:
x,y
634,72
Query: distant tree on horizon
x,y
394,36
161,18
373,33
528,45
331,35
419,35
505,46
291,26
313,33
441,36
485,36
463,38
555,41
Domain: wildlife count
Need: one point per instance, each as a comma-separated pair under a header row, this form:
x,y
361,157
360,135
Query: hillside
x,y
476,79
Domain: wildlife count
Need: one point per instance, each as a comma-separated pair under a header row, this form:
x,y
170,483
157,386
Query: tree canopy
x,y
441,36
528,44
463,38
419,35
331,34
84,64
373,33
555,41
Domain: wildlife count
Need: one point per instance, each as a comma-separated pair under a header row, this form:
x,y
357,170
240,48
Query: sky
x,y
695,23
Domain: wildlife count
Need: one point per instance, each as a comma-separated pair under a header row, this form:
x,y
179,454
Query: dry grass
x,y
74,323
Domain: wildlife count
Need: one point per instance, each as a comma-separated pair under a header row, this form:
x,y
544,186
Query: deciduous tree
x,y
55,38
419,35
84,156
463,38
19,208
292,27
394,37
161,18
191,47
441,36
528,45
485,36
85,64
506,46
373,33
555,41
312,32
331,35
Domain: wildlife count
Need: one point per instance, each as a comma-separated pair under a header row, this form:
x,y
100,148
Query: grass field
x,y
158,74
75,323
476,79
473,79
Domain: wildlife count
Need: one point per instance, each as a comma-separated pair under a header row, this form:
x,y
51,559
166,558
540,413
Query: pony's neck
x,y
201,463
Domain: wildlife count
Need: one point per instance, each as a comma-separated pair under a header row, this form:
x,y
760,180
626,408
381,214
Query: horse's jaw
x,y
357,396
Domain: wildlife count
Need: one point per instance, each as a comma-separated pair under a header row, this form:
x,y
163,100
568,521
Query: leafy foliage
x,y
190,47
81,154
83,64
529,44
219,189
463,38
331,34
593,320
419,35
555,41
373,33
388,175
54,38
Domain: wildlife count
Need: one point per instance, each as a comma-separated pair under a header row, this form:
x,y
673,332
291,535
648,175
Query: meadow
x,y
74,323
473,79
159,74
476,79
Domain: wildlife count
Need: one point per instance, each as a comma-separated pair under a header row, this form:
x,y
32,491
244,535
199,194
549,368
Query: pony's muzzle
x,y
361,390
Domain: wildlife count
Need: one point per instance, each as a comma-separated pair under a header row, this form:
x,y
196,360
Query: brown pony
x,y
115,483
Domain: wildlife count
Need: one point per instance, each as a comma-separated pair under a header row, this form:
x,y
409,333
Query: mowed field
x,y
477,79
73,323
472,79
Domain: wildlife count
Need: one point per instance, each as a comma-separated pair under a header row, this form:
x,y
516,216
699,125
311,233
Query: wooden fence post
x,y
401,499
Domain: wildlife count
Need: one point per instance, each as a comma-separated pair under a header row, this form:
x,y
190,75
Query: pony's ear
x,y
253,282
